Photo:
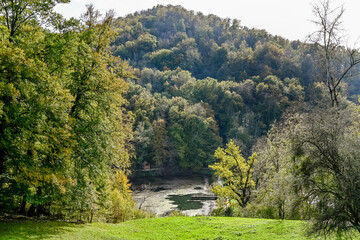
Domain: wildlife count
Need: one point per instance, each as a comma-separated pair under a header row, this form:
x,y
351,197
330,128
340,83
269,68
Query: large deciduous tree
x,y
320,152
64,130
101,126
326,150
35,148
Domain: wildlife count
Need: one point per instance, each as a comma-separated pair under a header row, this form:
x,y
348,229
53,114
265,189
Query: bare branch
x,y
329,39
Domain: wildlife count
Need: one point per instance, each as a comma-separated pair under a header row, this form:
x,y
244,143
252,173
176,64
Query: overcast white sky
x,y
287,18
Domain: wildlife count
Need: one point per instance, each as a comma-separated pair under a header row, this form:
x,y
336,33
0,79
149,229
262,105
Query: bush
x,y
176,214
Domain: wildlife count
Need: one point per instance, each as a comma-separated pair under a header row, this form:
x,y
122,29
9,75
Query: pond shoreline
x,y
161,196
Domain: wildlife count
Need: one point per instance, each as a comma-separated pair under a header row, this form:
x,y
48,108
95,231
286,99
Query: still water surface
x,y
162,196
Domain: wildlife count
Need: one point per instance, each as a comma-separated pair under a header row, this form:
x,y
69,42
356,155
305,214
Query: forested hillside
x,y
168,37
202,80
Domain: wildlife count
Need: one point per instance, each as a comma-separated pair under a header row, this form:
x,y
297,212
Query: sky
x,y
287,18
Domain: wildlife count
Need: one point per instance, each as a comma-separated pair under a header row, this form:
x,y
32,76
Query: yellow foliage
x,y
236,173
40,176
122,202
121,182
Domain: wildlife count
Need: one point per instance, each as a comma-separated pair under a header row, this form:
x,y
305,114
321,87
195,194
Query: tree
x,y
325,150
34,126
275,196
142,144
35,148
17,13
122,203
337,63
160,143
102,128
63,125
193,133
224,101
236,173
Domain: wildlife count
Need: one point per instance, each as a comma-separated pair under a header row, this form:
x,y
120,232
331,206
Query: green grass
x,y
158,228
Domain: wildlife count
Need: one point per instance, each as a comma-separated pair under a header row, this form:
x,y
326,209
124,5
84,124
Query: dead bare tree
x,y
337,61
146,190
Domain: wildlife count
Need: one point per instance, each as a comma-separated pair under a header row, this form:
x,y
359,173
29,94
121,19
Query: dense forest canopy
x,y
168,37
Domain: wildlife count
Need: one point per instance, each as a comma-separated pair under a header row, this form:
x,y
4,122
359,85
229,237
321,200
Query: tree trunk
x,y
2,152
91,216
23,206
2,161
31,211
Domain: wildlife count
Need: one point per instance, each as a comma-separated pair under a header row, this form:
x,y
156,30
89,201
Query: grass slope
x,y
158,228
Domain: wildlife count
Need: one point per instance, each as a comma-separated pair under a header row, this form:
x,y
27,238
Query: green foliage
x,y
74,119
101,126
35,129
261,75
163,59
193,132
176,214
309,168
16,14
170,131
245,77
326,154
236,174
63,124
160,143
275,196
240,111
168,37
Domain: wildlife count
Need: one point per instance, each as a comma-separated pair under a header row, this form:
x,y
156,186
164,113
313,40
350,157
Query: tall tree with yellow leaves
x,y
236,174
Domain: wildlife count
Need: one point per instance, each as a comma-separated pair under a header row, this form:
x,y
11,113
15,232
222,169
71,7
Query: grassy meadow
x,y
159,228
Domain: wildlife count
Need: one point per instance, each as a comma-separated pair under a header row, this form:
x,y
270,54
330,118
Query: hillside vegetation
x,y
213,75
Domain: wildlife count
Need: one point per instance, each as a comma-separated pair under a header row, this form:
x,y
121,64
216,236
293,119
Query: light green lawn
x,y
159,228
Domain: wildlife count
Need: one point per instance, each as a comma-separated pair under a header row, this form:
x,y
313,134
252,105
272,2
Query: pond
x,y
184,202
188,195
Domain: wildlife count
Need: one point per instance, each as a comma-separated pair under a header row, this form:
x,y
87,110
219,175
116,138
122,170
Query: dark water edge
x,y
137,180
163,173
